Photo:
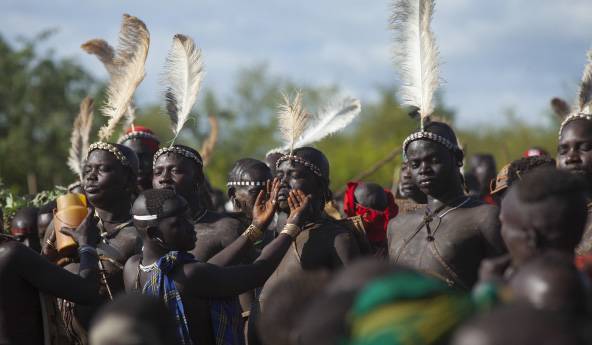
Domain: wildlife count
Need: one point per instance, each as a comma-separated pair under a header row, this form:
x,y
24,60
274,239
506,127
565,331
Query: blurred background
x,y
502,62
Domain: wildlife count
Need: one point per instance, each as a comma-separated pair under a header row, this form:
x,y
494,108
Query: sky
x,y
495,55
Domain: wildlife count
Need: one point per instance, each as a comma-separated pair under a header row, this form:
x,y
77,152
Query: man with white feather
x,y
453,233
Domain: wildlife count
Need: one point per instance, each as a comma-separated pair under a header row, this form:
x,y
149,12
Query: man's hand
x,y
266,204
87,232
300,209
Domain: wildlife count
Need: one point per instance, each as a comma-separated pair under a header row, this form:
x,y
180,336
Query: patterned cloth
x,y
407,308
225,314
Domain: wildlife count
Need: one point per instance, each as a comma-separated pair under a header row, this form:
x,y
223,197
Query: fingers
x,y
260,198
268,187
90,215
292,201
275,189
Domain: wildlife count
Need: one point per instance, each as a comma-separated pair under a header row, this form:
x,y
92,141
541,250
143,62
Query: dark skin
x,y
43,221
243,197
145,155
199,281
555,286
574,154
371,195
25,273
326,245
407,188
214,231
24,229
522,226
108,185
483,168
459,236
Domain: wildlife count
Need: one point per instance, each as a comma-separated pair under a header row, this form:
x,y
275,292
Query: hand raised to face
x,y
300,207
266,204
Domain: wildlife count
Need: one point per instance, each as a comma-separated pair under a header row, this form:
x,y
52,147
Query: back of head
x,y
518,325
371,195
550,282
519,168
244,169
133,319
317,158
291,297
557,203
154,204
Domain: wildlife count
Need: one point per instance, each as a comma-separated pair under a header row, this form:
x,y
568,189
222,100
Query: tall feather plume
x,y
129,60
79,139
585,95
330,120
105,53
560,108
416,54
292,120
209,144
183,77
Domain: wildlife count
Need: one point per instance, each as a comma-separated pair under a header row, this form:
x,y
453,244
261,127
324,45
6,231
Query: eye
x,y
414,164
562,149
586,147
105,168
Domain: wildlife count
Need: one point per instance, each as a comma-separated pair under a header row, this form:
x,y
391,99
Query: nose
x,y
425,169
165,177
91,175
573,157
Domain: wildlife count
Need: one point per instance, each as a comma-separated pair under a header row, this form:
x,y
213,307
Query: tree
x,y
39,98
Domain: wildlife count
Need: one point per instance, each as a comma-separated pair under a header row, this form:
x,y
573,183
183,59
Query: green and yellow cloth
x,y
408,308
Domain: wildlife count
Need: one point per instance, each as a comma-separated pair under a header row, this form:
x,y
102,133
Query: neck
x,y
194,203
449,198
152,251
118,211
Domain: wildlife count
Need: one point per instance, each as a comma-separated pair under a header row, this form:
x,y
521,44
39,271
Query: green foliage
x,y
39,98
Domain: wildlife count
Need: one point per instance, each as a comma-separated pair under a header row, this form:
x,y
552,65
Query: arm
x,y
346,248
47,277
234,280
490,230
263,211
230,281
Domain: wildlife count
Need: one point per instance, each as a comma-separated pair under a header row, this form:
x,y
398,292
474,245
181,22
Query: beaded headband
x,y
138,135
573,117
246,183
300,160
429,136
180,151
111,148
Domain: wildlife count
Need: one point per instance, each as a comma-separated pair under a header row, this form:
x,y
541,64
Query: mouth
x,y
426,182
283,194
92,189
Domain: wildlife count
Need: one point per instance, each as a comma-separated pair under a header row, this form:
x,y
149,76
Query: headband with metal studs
x,y
180,151
110,148
138,135
300,160
429,136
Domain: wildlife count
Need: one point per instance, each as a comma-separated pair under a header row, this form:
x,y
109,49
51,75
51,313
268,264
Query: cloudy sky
x,y
495,54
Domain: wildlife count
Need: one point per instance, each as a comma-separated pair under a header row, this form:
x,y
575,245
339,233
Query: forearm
x,y
231,254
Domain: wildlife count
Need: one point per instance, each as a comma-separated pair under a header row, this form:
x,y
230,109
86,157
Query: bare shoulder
x,y
221,222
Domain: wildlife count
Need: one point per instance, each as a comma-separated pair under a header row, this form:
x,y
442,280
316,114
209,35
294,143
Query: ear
x,y
231,193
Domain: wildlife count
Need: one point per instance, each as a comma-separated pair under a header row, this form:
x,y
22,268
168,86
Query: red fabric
x,y
152,144
584,264
488,199
534,152
375,221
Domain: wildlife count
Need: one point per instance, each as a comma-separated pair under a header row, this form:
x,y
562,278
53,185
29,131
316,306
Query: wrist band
x,y
49,244
87,249
291,230
253,233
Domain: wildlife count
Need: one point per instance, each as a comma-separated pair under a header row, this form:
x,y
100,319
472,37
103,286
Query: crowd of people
x,y
449,255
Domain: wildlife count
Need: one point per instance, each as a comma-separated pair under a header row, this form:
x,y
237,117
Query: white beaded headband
x,y
573,117
110,148
246,183
300,160
136,135
180,151
429,136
